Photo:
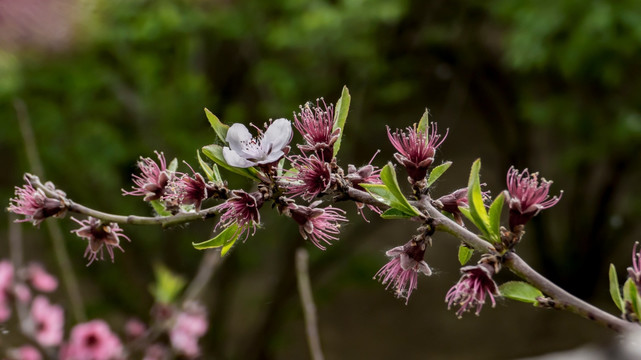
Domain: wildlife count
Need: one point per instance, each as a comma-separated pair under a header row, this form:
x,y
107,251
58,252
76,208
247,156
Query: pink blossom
x,y
401,272
27,352
241,208
188,327
135,328
245,151
156,352
634,272
34,204
48,320
99,236
22,292
416,149
40,279
316,125
6,282
317,224
187,190
368,174
92,341
312,177
475,284
527,196
153,178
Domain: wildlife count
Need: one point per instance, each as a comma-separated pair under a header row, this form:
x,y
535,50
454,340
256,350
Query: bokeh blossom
x,y
92,340
245,151
401,272
40,279
527,196
34,204
100,236
189,326
153,178
316,125
416,149
317,224
48,320
471,290
6,282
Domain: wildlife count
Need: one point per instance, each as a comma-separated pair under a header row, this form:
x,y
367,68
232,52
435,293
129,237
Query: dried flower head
x,y
246,151
475,284
35,205
401,272
527,196
316,125
99,236
316,224
416,149
153,178
368,174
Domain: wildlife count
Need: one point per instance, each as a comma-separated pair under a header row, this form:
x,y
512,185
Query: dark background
x,y
552,86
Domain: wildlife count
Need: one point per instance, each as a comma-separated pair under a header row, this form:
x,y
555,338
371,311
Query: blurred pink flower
x,y
48,320
135,328
40,279
156,352
92,341
188,327
26,352
6,282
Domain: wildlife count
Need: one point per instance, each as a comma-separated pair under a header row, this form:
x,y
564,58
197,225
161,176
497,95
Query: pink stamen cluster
x,y
312,178
316,125
401,272
416,149
34,204
316,224
475,284
100,236
153,178
527,196
241,208
634,272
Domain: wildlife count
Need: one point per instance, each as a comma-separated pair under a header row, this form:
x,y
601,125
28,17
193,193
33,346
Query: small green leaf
x,y
217,125
388,176
475,200
228,245
395,214
167,286
281,165
173,165
495,217
631,295
216,174
342,108
464,254
424,123
215,152
223,238
381,193
159,208
615,291
437,172
203,165
520,291
466,212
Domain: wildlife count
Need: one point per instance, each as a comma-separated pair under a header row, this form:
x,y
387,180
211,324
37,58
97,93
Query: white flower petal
x,y
272,157
237,137
424,268
235,160
277,135
407,262
395,251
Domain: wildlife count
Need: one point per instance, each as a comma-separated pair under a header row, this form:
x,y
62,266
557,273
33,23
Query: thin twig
x,y
59,248
210,262
307,302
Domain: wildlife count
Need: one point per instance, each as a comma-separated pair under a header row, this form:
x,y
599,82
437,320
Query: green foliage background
x,y
553,86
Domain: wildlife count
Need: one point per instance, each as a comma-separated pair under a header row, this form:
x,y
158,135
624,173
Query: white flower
x,y
244,151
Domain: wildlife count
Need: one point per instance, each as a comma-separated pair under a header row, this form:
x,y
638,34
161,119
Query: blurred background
x,y
552,86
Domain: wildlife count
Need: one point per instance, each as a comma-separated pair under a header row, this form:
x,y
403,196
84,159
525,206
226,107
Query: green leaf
x,y
216,174
475,200
424,123
520,291
381,193
437,172
395,214
281,165
225,237
495,217
615,291
167,286
217,125
631,295
173,165
342,108
464,254
388,176
215,152
203,165
466,212
228,245
159,208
